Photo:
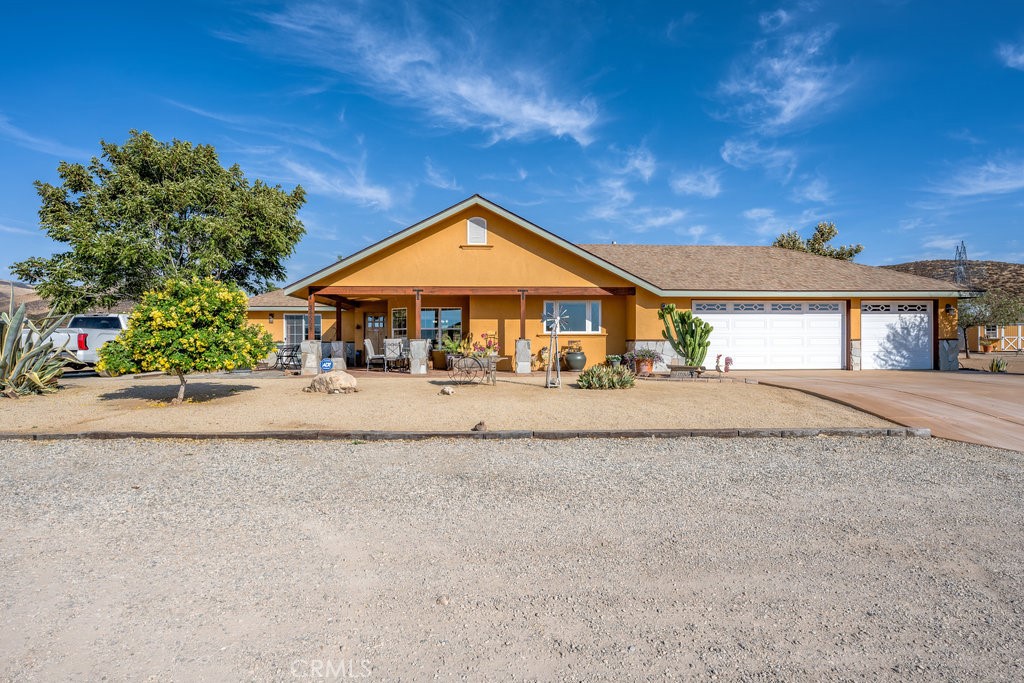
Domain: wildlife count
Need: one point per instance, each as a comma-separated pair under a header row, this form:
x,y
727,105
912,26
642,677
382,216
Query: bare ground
x,y
270,401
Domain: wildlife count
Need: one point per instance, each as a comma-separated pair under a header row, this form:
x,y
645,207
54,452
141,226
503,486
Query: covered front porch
x,y
508,314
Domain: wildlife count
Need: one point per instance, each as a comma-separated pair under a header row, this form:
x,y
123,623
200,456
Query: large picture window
x,y
577,316
296,328
435,323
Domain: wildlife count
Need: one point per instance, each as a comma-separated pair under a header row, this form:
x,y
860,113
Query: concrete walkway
x,y
976,407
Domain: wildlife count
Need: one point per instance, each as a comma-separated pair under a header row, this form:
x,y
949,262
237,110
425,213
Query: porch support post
x,y
522,314
337,321
416,316
311,334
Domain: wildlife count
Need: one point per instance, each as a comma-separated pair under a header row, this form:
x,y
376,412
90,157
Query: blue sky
x,y
708,123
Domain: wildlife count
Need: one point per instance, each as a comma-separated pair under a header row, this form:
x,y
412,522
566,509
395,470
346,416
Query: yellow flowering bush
x,y
196,325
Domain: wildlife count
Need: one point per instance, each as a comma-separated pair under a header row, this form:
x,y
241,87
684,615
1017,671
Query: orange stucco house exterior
x,y
478,269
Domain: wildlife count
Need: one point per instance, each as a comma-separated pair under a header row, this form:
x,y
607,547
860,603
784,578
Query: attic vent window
x,y
476,231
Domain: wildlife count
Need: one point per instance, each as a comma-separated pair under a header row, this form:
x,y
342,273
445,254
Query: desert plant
x,y
605,377
688,334
29,361
196,325
643,353
997,365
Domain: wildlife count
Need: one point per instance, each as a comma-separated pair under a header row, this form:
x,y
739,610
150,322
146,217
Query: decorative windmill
x,y
553,377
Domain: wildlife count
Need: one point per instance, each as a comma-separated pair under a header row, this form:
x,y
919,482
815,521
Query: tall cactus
x,y
688,334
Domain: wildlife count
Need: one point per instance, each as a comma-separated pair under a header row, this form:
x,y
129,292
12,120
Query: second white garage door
x,y
896,335
776,335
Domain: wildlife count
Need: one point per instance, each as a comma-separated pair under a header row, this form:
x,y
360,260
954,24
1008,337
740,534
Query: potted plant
x,y
643,360
987,344
575,359
613,360
451,348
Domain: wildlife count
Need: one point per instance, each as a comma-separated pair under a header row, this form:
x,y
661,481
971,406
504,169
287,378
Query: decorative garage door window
x,y
911,308
876,308
764,307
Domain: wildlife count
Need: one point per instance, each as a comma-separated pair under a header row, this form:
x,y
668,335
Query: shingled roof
x,y
699,268
1008,277
277,300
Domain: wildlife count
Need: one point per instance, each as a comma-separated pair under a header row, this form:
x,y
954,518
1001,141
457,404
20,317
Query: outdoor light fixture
x,y
950,310
270,318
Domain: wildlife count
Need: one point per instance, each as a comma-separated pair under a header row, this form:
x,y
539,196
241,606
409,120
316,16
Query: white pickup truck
x,y
86,333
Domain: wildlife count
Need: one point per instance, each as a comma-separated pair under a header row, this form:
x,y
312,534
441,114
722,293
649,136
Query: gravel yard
x,y
753,559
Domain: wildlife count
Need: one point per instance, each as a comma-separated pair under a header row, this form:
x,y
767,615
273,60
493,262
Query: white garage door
x,y
896,335
776,335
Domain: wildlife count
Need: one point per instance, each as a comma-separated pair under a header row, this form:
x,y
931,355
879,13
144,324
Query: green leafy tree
x,y
148,211
818,243
994,307
194,325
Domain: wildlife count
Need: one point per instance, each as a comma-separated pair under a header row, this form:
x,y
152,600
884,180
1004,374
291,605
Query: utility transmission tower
x,y
961,275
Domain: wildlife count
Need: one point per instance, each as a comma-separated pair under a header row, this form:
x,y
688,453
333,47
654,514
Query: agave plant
x,y
29,362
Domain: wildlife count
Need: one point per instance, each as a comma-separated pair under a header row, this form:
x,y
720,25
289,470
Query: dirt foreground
x,y
271,401
826,559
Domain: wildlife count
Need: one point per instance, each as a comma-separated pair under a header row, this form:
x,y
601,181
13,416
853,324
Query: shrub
x,y
196,325
997,365
605,377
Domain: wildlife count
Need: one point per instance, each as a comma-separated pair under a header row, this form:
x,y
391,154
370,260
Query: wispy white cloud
x,y
785,81
766,223
11,230
439,177
352,185
285,132
23,138
773,21
703,182
641,162
615,204
1011,55
993,177
812,190
679,24
944,243
455,80
965,135
745,154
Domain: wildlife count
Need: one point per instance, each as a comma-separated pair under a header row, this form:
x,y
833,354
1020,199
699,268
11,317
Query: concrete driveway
x,y
976,407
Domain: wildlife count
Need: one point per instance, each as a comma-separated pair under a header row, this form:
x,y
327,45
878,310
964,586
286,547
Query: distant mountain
x,y
981,274
23,294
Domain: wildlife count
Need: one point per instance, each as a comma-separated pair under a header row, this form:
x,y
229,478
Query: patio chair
x,y
372,357
394,354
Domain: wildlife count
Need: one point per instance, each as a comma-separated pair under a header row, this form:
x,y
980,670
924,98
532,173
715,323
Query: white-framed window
x,y
476,231
577,316
296,327
399,322
992,331
436,323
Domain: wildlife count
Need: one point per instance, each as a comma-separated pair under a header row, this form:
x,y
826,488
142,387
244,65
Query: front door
x,y
374,325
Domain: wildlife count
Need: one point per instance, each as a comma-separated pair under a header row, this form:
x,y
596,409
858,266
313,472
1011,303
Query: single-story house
x,y
478,269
